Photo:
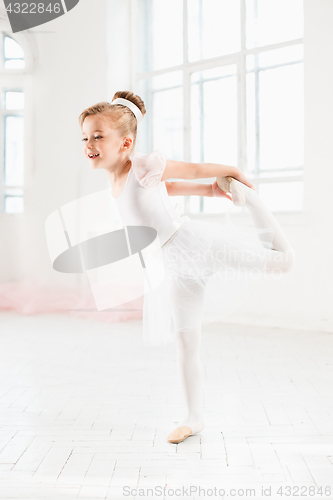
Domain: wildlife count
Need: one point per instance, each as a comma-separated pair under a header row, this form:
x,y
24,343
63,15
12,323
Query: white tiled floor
x,y
86,409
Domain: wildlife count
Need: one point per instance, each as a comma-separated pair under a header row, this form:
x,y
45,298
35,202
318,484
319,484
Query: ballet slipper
x,y
185,431
179,434
234,188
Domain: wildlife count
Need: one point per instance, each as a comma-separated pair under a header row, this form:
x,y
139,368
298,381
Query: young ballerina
x,y
198,256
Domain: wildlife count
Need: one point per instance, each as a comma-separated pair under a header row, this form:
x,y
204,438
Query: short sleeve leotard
x,y
144,200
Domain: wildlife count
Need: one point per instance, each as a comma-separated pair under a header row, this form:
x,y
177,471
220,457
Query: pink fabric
x,y
32,298
148,168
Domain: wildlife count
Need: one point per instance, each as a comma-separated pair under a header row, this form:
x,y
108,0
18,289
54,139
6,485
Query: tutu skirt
x,y
210,270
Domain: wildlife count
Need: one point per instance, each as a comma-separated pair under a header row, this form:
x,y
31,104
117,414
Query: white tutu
x,y
210,270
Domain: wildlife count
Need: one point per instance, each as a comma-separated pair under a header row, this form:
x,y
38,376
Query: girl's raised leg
x,y
282,255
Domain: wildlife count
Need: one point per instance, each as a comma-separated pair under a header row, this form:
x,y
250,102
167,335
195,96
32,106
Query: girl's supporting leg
x,y
188,301
189,368
282,255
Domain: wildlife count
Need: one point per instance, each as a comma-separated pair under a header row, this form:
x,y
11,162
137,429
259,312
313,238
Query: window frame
x,y
238,58
6,113
16,79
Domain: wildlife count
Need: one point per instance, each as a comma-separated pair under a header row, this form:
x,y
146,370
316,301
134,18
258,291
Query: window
x,y
223,83
12,127
13,55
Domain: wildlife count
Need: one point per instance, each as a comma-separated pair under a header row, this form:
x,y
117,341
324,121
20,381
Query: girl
x,y
199,257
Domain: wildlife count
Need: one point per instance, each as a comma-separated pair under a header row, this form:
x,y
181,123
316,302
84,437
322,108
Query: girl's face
x,y
102,144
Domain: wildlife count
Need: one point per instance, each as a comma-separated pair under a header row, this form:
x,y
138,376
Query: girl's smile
x,y
93,156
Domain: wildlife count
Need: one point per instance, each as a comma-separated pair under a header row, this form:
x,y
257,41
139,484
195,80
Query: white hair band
x,y
133,107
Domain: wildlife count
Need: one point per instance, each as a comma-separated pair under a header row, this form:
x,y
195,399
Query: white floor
x,y
85,410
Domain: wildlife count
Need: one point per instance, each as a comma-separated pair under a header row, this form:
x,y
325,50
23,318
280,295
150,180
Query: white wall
x,y
72,72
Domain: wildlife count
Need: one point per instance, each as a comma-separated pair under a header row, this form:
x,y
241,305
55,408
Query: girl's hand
x,y
219,192
238,174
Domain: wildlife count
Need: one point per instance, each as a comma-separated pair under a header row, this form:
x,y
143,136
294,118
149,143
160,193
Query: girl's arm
x,y
193,188
187,170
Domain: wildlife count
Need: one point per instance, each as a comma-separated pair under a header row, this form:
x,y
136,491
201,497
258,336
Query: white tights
x,y
188,349
282,255
188,339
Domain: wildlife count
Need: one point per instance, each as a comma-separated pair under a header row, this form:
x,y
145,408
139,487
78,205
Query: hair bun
x,y
130,96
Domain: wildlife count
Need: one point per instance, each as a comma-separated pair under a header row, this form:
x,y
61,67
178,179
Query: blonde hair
x,y
120,117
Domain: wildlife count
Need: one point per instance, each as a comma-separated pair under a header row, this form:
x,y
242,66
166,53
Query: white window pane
x,y
194,204
13,201
276,174
160,30
216,205
14,137
167,80
196,124
251,121
281,117
273,21
168,122
214,118
213,28
12,49
14,64
274,110
13,205
163,125
282,196
14,100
